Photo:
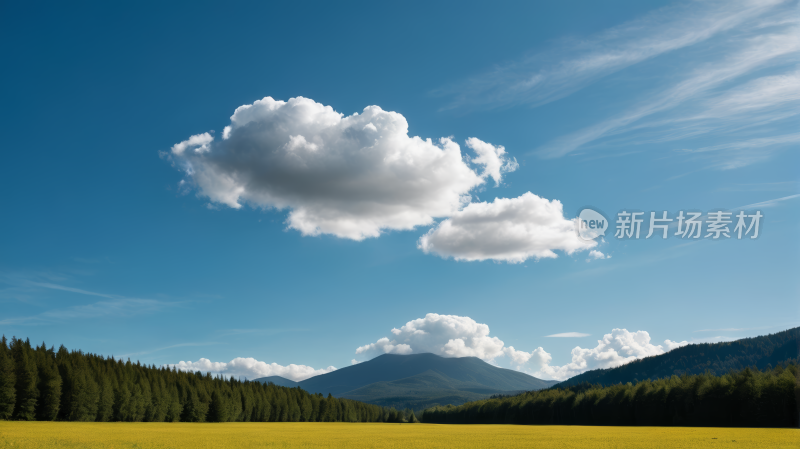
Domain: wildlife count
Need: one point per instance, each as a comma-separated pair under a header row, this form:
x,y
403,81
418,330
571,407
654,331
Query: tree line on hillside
x,y
46,385
747,398
762,352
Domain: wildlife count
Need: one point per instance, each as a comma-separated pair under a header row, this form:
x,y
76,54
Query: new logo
x,y
591,224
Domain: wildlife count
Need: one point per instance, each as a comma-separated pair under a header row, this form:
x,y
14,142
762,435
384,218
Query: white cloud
x,y
385,346
251,369
507,229
352,177
615,349
493,158
459,336
536,358
568,335
595,255
445,335
199,142
669,345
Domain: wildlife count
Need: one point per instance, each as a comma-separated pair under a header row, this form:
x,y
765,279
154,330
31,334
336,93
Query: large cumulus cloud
x,y
445,335
351,177
251,369
507,229
460,336
617,348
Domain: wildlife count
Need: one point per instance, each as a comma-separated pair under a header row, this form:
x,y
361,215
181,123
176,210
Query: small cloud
x,y
595,255
569,335
717,339
251,368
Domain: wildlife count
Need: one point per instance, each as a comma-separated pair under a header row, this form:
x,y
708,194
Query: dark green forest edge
x,y
747,398
752,382
44,384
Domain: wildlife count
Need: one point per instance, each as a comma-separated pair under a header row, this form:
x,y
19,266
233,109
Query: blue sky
x,y
116,239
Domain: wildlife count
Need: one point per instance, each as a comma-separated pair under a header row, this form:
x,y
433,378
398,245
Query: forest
x,y
37,383
746,398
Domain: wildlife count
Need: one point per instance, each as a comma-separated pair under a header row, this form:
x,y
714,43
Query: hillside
x,y
762,352
418,380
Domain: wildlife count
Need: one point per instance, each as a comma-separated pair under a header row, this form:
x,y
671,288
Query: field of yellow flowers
x,y
346,435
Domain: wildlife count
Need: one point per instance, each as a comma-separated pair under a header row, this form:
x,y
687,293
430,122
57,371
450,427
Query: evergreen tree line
x,y
747,398
44,384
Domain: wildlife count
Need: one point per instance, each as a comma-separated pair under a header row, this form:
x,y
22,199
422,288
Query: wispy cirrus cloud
x,y
740,153
179,345
548,76
261,332
111,305
726,97
769,203
763,186
753,54
114,307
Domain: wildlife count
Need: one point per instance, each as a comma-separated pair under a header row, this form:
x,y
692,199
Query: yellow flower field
x,y
417,436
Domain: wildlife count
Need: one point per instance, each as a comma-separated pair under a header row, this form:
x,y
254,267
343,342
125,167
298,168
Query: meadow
x,y
379,435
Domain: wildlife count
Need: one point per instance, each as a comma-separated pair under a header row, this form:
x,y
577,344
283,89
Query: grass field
x,y
340,435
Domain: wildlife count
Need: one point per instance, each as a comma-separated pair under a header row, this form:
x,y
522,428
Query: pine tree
x,y
8,397
218,409
25,370
105,407
122,404
174,409
49,385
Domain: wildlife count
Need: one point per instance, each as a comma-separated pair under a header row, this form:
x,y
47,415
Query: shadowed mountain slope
x,y
390,367
418,380
277,380
422,391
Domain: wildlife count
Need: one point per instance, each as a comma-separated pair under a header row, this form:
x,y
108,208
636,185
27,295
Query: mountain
x,y
278,380
716,358
419,380
422,391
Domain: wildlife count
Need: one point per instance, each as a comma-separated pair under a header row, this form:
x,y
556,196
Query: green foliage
x,y
747,398
8,382
218,409
105,406
49,384
25,371
44,384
